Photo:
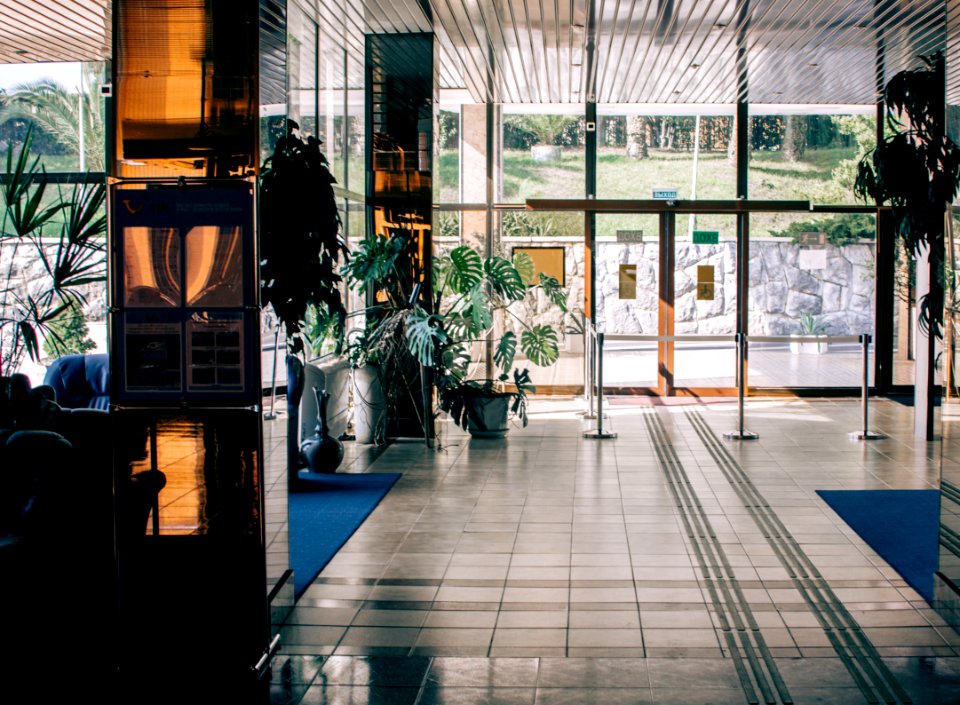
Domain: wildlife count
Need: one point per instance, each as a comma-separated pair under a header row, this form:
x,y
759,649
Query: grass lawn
x,y
771,177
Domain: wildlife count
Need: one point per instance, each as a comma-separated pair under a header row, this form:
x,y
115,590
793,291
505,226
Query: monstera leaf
x,y
466,270
504,279
551,287
505,351
524,264
424,335
539,344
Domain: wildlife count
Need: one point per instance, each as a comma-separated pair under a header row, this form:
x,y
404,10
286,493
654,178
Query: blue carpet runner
x,y
902,526
325,516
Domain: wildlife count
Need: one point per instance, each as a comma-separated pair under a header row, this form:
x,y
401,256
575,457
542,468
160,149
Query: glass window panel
x,y
55,99
542,156
302,70
639,153
813,275
808,156
446,184
151,267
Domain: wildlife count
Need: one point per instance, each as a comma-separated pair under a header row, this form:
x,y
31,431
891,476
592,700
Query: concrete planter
x,y
546,152
800,348
369,406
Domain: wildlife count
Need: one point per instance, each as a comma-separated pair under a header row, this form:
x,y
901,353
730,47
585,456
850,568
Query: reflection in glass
x,y
151,267
214,266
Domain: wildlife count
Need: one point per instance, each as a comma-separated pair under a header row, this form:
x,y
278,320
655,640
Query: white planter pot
x,y
369,406
545,152
332,375
573,343
488,416
808,348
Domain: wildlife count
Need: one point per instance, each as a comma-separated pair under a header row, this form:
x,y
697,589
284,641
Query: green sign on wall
x,y
706,237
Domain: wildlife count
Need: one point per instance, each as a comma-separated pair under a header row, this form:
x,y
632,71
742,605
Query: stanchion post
x,y
270,415
598,433
589,355
865,434
741,434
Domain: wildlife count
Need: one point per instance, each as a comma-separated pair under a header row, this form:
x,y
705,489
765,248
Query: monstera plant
x,y
474,317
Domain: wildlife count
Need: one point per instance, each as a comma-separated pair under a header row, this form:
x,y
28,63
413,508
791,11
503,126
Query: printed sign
x,y
629,236
705,285
818,238
706,237
812,259
628,281
669,194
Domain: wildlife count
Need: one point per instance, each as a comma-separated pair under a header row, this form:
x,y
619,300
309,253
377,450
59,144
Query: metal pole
x,y
599,433
741,434
865,434
154,465
270,416
589,354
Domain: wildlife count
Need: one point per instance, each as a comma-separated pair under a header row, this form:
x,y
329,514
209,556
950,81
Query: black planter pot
x,y
487,416
321,452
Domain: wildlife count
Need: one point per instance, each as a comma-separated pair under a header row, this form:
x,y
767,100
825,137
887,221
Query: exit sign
x,y
706,237
669,194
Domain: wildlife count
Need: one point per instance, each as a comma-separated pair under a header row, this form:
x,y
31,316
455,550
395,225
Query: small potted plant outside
x,y
471,293
809,326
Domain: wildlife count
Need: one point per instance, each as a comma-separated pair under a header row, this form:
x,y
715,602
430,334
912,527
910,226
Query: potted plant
x,y
916,170
384,269
473,301
809,326
300,245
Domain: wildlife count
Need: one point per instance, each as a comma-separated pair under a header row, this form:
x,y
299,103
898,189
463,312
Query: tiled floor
x,y
665,566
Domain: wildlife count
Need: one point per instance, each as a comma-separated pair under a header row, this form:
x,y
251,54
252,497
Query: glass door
x,y
703,250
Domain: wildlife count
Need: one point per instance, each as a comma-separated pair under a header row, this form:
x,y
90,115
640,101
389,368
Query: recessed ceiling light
x,y
21,52
813,65
719,25
694,67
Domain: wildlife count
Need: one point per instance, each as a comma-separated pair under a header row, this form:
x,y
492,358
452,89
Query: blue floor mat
x,y
902,526
325,516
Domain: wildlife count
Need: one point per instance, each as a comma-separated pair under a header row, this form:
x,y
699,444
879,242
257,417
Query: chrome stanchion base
x,y
865,436
599,435
741,435
586,415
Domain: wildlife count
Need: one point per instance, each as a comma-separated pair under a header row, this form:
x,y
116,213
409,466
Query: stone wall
x,y
839,297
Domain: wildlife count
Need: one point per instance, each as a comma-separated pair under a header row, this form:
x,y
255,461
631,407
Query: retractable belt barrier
x,y
593,372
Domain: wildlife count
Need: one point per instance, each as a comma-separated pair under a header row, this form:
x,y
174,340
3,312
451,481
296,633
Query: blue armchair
x,y
80,381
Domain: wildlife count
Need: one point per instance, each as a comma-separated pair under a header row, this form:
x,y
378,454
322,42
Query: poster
x,y
628,281
705,284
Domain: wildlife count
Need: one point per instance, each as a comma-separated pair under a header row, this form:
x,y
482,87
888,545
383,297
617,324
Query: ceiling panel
x,y
610,51
54,30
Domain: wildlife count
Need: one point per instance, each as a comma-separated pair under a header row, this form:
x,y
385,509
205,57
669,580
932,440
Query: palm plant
x,y
471,293
66,237
72,119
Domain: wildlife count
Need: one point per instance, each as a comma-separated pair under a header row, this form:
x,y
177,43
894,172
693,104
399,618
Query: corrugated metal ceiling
x,y
54,30
610,51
